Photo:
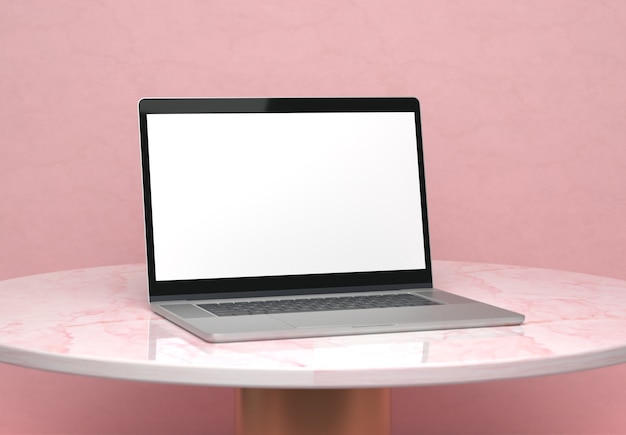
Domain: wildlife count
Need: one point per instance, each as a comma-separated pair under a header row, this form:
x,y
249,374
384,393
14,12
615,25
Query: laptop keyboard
x,y
315,304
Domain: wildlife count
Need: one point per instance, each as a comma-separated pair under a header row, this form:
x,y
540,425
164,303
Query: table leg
x,y
262,411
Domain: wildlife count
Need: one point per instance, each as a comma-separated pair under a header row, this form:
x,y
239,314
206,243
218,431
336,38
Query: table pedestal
x,y
312,412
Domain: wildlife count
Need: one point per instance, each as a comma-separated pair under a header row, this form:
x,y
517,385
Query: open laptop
x,y
271,218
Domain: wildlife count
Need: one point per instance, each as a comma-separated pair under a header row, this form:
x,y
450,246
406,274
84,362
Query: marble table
x,y
97,322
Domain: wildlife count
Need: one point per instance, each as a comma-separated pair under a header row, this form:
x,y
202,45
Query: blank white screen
x,y
267,194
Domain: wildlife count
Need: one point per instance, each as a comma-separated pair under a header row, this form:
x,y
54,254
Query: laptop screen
x,y
237,198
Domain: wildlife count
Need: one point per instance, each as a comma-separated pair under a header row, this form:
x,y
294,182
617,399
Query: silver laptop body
x,y
257,206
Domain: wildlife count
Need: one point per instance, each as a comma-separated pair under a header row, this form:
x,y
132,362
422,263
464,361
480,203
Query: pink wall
x,y
524,109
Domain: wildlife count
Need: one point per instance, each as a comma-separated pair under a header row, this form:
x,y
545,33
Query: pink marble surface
x,y
97,322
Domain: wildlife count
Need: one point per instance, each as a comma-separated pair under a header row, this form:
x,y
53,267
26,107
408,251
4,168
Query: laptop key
x,y
277,306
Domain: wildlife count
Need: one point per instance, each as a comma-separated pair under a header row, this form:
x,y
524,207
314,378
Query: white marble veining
x,y
97,322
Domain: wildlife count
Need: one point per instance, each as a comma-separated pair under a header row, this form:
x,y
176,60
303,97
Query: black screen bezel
x,y
289,284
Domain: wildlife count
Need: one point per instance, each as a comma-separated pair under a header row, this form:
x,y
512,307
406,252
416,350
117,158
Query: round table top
x,y
98,322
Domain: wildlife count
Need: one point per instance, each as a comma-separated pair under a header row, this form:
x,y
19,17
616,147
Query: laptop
x,y
275,218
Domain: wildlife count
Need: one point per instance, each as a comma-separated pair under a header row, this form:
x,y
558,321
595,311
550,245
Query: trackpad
x,y
330,319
